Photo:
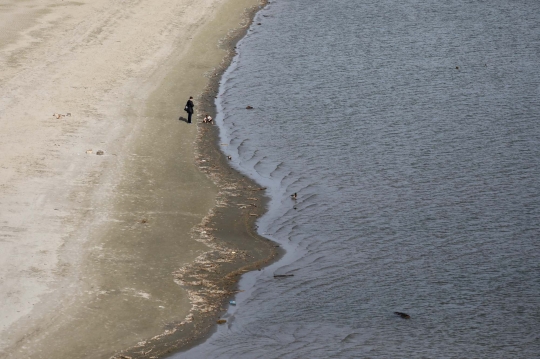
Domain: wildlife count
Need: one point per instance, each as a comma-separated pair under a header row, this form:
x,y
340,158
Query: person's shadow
x,y
182,119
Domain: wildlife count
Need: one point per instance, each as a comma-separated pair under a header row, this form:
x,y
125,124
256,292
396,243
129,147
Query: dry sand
x,y
88,243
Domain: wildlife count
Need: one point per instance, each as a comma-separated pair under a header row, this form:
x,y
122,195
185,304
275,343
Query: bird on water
x,y
403,315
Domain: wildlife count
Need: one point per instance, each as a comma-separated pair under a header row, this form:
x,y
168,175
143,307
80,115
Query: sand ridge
x,y
75,227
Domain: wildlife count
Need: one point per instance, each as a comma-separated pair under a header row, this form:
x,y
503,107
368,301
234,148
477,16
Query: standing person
x,y
189,108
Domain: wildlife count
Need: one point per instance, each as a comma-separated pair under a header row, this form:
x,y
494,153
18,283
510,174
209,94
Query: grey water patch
x,y
410,132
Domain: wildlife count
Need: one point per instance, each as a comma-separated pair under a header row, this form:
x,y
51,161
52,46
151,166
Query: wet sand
x,y
123,253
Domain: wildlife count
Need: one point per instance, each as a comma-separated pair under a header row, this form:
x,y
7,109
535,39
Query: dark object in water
x,y
283,275
249,108
403,315
221,321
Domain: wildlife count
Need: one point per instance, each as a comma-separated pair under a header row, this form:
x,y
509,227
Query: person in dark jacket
x,y
189,108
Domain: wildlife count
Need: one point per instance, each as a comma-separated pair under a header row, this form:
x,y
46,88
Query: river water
x,y
410,131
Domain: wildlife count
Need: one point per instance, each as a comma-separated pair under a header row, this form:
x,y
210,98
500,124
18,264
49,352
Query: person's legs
x,y
189,117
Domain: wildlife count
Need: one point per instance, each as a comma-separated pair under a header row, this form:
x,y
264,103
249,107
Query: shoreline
x,y
232,245
93,244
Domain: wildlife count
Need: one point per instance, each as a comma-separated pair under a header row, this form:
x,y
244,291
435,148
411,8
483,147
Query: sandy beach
x,y
105,214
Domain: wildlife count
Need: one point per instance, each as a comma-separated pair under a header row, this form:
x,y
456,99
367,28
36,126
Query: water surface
x,y
409,130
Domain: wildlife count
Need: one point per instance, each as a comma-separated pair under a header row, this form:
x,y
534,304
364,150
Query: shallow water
x,y
409,130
